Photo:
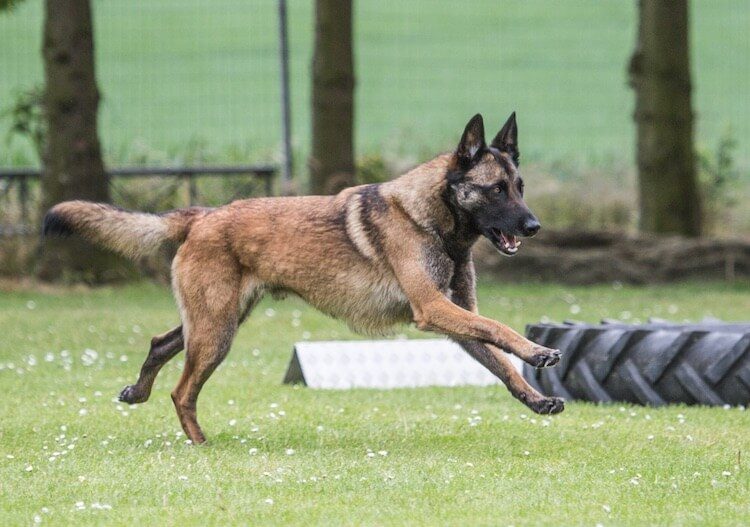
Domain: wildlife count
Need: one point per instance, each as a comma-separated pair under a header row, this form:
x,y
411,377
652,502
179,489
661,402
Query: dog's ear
x,y
472,142
506,139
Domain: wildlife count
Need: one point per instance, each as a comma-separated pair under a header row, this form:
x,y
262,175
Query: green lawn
x,y
175,70
70,454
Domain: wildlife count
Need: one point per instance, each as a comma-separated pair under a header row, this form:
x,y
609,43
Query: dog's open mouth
x,y
505,243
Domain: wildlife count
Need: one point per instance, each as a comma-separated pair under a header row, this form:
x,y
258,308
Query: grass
x,y
176,70
288,455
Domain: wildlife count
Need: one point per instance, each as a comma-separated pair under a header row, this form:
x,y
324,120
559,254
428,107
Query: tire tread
x,y
650,364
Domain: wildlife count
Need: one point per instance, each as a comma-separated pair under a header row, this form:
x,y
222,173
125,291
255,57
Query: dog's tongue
x,y
510,241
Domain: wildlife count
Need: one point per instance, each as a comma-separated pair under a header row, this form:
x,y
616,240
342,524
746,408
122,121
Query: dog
x,y
375,256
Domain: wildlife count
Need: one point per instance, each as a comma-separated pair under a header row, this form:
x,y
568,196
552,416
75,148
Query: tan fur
x,y
373,256
132,234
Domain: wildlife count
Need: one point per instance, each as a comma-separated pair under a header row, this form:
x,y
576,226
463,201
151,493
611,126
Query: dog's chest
x,y
440,267
368,296
375,306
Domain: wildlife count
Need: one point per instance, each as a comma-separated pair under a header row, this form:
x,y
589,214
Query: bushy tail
x,y
132,234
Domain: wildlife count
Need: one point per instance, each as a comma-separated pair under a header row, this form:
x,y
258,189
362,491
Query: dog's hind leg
x,y
207,346
163,348
214,298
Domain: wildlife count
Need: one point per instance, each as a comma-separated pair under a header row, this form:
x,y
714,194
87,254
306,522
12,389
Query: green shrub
x,y
719,180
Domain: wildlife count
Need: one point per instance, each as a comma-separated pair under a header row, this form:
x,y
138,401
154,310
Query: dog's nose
x,y
530,226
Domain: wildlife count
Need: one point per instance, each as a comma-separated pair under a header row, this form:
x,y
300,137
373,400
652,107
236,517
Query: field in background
x,y
280,454
195,78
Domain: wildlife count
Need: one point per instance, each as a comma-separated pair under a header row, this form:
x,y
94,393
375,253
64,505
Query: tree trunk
x,y
332,158
660,75
72,161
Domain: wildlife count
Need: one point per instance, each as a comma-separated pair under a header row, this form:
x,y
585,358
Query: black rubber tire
x,y
651,364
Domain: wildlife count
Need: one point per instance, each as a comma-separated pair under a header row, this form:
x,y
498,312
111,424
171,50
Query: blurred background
x,y
634,118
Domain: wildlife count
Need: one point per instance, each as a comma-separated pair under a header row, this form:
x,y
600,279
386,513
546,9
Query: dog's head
x,y
484,182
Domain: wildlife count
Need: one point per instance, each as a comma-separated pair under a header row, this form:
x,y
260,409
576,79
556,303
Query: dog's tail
x,y
132,234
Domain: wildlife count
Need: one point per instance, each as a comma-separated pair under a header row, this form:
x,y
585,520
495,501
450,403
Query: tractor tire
x,y
651,364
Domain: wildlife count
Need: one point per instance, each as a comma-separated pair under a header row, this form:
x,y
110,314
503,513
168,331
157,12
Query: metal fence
x,y
173,122
175,186
174,72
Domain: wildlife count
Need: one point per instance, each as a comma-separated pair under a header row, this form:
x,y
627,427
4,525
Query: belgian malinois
x,y
373,255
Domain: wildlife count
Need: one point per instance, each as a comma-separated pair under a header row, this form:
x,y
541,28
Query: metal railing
x,y
20,178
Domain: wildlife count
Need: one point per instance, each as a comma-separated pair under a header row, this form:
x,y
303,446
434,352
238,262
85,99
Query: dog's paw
x,y
132,395
545,357
548,405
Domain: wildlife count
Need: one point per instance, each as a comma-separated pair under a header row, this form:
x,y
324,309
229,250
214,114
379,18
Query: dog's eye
x,y
520,186
500,187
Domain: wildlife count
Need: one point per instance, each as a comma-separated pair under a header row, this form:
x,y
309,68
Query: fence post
x,y
23,198
269,184
286,118
192,190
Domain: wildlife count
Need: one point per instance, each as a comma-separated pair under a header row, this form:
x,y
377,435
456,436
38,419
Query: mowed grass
x,y
71,454
175,70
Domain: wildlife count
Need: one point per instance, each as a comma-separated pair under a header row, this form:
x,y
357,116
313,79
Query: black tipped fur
x,y
55,224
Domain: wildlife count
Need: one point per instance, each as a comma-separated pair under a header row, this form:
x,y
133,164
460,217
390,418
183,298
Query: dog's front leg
x,y
481,338
464,295
441,315
463,287
433,311
498,363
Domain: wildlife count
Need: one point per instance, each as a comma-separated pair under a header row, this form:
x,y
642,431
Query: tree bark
x,y
660,75
72,160
332,158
